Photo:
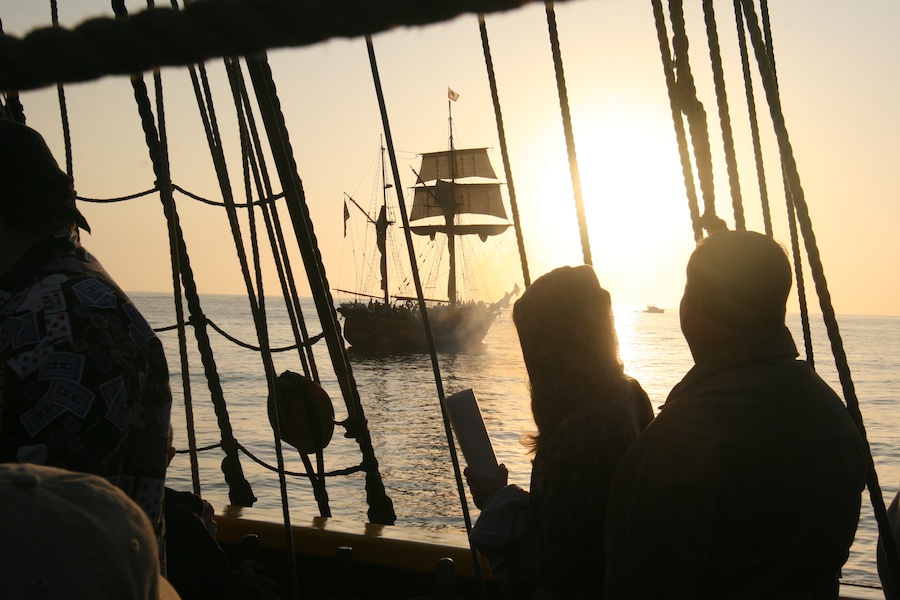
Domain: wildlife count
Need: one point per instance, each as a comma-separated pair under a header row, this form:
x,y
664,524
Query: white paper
x,y
471,434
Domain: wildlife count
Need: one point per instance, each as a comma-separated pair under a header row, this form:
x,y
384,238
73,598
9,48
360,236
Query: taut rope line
x,y
687,169
754,124
504,151
809,239
569,133
715,55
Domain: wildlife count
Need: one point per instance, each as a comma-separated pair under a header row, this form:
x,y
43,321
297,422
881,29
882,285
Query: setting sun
x,y
640,232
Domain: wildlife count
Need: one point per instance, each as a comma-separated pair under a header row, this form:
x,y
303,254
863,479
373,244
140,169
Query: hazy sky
x,y
838,73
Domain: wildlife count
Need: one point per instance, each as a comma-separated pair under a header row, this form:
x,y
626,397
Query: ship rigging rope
x,y
240,492
173,235
753,120
256,160
253,161
715,55
569,133
504,151
257,306
423,312
791,213
381,508
764,61
116,199
687,170
274,469
270,199
690,105
312,340
63,106
206,29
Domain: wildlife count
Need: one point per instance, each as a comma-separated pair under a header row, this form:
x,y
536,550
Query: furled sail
x,y
456,164
381,226
483,231
457,198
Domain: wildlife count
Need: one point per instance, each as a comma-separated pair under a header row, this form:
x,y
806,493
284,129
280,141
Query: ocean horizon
x,y
399,397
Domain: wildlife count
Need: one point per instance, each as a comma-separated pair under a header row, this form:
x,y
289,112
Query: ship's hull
x,y
377,327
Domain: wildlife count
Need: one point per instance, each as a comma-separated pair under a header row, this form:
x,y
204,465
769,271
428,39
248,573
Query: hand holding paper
x,y
471,434
483,474
483,487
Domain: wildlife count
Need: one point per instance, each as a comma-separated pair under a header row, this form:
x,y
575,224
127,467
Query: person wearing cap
x,y
84,384
748,482
74,535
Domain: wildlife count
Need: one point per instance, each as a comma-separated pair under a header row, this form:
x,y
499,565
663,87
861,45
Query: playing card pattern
x,y
83,378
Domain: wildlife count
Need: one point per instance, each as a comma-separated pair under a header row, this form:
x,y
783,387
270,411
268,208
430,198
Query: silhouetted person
x,y
74,535
84,384
747,484
547,542
888,584
195,563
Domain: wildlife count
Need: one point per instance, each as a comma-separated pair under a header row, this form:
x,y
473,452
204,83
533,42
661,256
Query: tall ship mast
x,y
445,189
454,189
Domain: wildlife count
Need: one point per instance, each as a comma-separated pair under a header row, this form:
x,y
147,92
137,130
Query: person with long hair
x,y
548,542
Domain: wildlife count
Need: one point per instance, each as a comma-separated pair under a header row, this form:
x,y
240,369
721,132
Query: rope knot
x,y
712,223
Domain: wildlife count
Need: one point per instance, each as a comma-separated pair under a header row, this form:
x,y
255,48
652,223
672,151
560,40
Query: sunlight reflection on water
x,y
400,401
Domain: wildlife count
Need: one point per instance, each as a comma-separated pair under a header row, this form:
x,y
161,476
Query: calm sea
x,y
400,401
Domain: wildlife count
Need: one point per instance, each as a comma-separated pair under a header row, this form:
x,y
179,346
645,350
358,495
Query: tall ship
x,y
276,450
457,194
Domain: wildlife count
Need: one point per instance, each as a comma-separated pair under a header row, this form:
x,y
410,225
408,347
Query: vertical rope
x,y
693,109
792,217
504,152
570,136
767,33
687,169
179,309
239,491
256,163
715,56
840,357
244,111
754,124
206,106
381,508
791,213
61,95
276,239
404,216
258,310
798,270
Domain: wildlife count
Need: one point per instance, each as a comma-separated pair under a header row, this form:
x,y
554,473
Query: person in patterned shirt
x,y
84,384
